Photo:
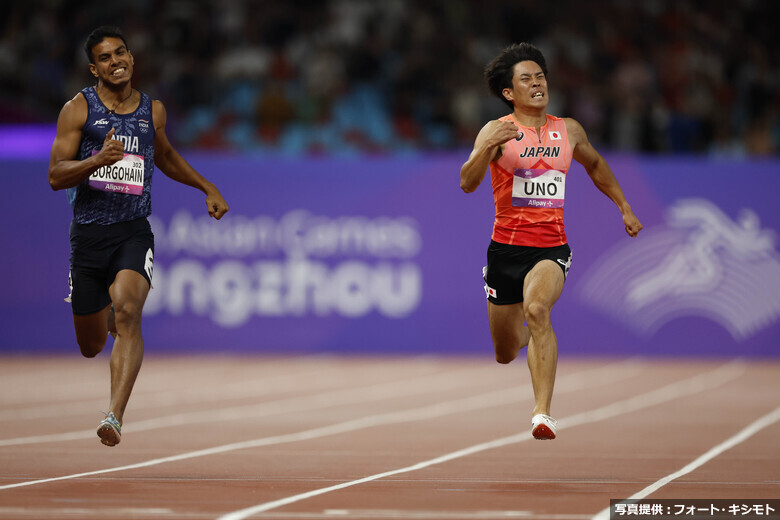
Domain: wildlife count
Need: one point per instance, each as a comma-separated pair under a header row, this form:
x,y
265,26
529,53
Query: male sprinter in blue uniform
x,y
109,138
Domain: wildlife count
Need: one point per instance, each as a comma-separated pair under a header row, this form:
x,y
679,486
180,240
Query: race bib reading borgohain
x,y
124,176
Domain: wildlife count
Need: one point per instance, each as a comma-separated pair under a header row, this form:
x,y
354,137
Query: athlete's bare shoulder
x,y
159,115
76,104
74,113
576,132
485,130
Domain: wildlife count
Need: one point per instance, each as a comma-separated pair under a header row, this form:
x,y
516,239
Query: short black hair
x,y
100,34
501,69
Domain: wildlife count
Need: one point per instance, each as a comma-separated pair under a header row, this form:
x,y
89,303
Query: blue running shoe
x,y
109,430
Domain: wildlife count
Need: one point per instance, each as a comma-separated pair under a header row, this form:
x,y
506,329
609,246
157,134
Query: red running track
x,y
381,438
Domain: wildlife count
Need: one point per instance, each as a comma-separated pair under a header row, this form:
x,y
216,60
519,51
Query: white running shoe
x,y
109,430
543,427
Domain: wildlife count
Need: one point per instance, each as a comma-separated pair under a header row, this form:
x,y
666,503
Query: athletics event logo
x,y
702,263
288,266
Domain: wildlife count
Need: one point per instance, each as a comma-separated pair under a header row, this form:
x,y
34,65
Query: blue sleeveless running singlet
x,y
122,191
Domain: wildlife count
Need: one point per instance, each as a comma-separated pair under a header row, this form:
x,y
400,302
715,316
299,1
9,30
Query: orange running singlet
x,y
529,183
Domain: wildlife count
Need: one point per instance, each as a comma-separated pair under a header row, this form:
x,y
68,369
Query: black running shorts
x,y
507,267
98,253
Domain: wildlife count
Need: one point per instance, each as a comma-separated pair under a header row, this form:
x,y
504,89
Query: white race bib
x,y
538,188
124,176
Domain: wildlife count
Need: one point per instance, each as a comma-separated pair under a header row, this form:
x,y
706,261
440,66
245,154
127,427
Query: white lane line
x,y
670,392
155,390
151,398
18,513
747,432
88,379
156,379
319,379
406,514
594,377
343,396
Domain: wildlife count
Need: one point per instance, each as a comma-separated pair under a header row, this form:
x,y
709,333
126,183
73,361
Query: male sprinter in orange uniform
x,y
529,153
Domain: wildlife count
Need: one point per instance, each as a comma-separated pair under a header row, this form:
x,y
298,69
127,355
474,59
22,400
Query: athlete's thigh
x,y
543,283
129,288
135,253
506,323
132,269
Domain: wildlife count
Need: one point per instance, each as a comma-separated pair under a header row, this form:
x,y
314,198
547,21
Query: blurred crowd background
x,y
390,76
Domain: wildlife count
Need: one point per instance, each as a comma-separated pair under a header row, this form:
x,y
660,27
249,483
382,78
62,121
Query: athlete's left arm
x,y
172,164
601,174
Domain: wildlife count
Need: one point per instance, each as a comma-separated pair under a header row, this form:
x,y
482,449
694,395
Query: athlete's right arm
x,y
65,171
488,147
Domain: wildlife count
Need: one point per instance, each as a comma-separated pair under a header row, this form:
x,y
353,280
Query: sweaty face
x,y
529,86
113,62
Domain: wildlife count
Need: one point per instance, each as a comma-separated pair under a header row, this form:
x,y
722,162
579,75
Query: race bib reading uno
x,y
125,176
538,188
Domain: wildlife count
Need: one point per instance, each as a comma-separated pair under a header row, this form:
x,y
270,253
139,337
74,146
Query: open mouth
x,y
118,72
538,95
